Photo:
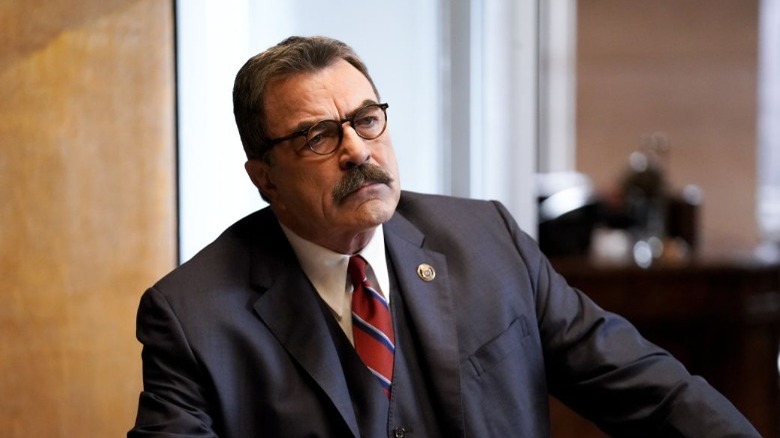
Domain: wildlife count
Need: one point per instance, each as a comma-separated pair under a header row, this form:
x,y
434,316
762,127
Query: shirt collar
x,y
327,270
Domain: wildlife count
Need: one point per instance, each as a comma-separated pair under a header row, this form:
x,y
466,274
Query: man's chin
x,y
376,205
368,193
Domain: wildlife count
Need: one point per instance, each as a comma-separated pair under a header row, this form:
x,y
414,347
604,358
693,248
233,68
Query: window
x,y
460,78
768,202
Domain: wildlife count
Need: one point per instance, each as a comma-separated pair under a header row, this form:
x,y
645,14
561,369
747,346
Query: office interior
x,y
89,215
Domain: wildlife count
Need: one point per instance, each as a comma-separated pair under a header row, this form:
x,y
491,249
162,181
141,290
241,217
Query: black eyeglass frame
x,y
351,119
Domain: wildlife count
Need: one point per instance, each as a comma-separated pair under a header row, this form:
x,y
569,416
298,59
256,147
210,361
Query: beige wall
x,y
87,206
686,68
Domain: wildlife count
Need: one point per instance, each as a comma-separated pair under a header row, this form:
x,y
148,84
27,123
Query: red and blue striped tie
x,y
372,326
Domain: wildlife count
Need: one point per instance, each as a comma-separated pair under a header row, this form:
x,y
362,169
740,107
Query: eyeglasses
x,y
324,137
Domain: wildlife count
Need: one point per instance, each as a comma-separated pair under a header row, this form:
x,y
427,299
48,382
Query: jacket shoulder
x,y
229,258
412,203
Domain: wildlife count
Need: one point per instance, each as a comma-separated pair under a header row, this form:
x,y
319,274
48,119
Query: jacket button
x,y
399,432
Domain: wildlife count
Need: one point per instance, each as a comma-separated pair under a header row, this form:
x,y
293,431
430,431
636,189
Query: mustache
x,y
356,177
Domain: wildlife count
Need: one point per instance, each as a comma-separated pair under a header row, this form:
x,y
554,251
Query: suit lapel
x,y
290,309
430,309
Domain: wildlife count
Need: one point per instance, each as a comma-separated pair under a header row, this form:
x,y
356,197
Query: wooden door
x,y
87,206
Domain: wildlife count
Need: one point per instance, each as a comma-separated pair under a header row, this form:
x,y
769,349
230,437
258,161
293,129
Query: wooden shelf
x,y
719,315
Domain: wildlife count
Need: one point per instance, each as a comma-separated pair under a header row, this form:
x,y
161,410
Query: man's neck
x,y
347,243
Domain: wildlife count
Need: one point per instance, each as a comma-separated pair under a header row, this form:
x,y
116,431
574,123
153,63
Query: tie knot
x,y
357,269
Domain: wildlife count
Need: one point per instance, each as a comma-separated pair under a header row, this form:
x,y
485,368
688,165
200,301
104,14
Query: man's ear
x,y
260,173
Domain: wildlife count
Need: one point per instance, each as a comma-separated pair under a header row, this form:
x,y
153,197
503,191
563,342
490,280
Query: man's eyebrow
x,y
306,124
369,102
365,103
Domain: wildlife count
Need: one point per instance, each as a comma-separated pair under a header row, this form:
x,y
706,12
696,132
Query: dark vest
x,y
412,411
368,400
414,407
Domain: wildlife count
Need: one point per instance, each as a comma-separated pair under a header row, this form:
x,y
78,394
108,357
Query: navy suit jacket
x,y
237,343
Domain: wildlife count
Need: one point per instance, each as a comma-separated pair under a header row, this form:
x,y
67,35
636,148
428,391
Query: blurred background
x,y
637,140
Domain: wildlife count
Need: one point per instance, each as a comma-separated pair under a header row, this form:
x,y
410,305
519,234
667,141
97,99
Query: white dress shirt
x,y
327,271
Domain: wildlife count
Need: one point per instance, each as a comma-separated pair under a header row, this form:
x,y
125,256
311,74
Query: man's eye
x,y
317,133
316,139
366,121
321,134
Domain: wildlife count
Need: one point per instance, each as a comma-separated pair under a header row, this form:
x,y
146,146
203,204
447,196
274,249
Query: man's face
x,y
299,184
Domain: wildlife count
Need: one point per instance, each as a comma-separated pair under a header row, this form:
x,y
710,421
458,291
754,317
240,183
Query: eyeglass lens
x,y
369,123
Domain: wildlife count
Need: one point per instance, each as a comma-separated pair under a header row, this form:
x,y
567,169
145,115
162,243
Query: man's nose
x,y
354,150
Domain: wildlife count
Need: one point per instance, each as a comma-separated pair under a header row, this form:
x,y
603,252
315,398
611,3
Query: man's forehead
x,y
331,92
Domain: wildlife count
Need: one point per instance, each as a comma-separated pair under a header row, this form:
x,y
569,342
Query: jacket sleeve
x,y
173,401
599,365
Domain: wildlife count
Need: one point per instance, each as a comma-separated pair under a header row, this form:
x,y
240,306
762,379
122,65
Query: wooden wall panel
x,y
687,68
87,206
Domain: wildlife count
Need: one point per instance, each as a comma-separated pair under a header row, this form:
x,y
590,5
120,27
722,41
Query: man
x,y
471,328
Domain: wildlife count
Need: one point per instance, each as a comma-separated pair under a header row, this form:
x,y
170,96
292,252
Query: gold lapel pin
x,y
426,272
